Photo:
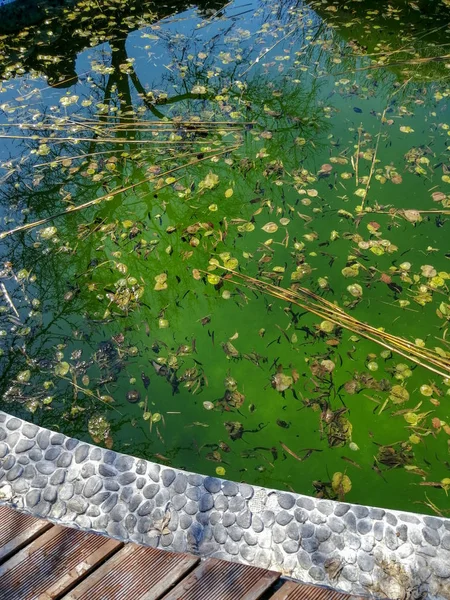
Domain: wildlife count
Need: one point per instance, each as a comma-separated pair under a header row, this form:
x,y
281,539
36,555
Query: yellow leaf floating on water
x,y
270,227
210,181
220,471
406,129
161,282
341,483
213,279
228,193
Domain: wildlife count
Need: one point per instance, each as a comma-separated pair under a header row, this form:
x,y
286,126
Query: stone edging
x,y
352,548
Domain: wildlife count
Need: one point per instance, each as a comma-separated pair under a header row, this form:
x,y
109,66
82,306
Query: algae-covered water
x,y
225,238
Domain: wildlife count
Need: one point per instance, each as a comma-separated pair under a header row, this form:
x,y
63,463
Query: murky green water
x,y
302,145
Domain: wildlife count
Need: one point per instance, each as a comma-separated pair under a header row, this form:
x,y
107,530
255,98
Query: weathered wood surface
x,y
41,561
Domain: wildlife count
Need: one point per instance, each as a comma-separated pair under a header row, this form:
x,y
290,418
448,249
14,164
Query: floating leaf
x,y
270,227
399,394
282,382
61,369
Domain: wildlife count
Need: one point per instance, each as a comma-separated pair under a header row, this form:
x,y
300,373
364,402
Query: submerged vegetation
x,y
224,238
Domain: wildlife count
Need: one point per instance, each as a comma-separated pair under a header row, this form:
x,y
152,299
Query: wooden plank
x,y
301,591
17,530
53,563
134,572
220,580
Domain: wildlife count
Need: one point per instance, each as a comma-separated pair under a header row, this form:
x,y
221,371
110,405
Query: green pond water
x,y
150,156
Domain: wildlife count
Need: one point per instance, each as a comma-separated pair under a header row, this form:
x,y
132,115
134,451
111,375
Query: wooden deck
x,y
40,561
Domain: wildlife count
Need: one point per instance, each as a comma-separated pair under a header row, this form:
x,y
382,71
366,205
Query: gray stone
x,y
317,573
367,543
445,541
195,479
409,518
286,501
366,562
283,517
290,546
248,554
220,533
29,472
64,460
117,530
13,438
124,463
341,509
110,502
92,486
35,454
141,467
118,512
244,519
441,568
13,424
279,534
301,515
87,470
194,493
29,430
360,511
310,544
32,498
96,454
318,558
162,497
376,514
257,524
336,524
293,531
221,503
391,519
126,478
229,488
212,484
109,457
81,453
246,491
325,507
23,445
3,450
405,550
23,460
415,537
130,523
317,518
111,485
390,538
77,505
66,491
304,559
168,477
236,503
431,536
230,518
14,473
107,470
50,494
42,508
322,533
93,511
59,509
9,462
305,502
191,507
20,486
140,482
350,573
52,453
180,483
185,521
57,439
154,471
268,517
352,540
3,434
235,533
206,502
71,444
402,532
179,501
431,522
350,522
250,538
40,481
378,531
231,547
150,490
45,467
307,530
364,526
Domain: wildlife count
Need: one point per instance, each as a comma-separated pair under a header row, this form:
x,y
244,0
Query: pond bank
x,y
352,548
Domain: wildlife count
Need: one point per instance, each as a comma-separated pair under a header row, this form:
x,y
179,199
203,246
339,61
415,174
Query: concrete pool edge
x,y
351,548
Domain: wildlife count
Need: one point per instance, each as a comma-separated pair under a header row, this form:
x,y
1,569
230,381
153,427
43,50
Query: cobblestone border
x,y
349,547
